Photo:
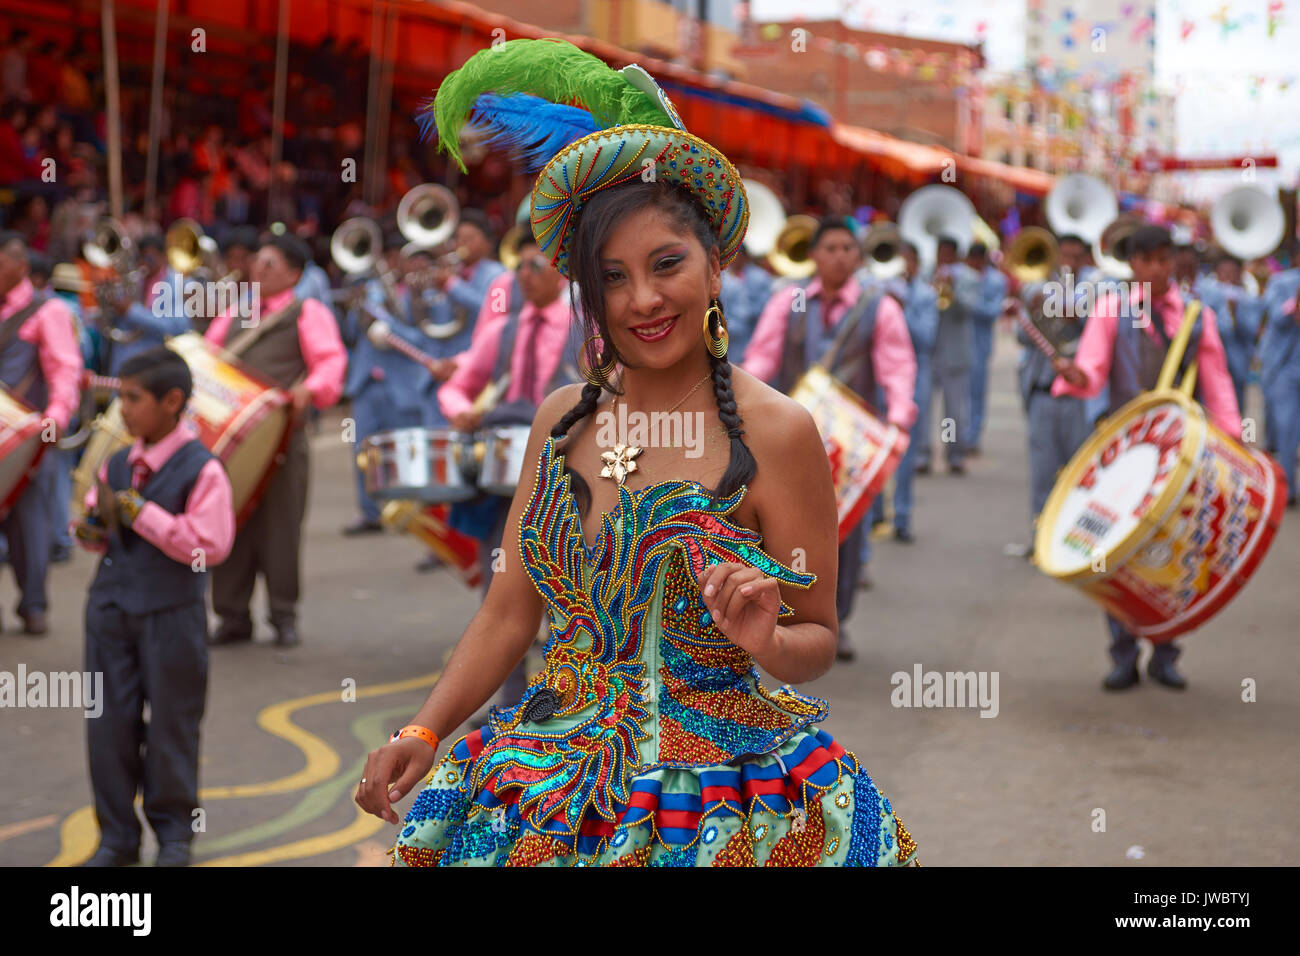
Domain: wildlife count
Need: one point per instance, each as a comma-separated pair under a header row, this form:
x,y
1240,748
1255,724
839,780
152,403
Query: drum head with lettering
x,y
1116,488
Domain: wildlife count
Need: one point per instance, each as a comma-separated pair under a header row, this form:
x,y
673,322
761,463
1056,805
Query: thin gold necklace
x,y
620,462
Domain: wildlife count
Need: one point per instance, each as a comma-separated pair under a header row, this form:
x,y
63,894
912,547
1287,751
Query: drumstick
x,y
106,382
1038,338
399,343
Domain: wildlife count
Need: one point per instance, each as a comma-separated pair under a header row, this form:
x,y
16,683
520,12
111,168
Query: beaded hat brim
x,y
621,154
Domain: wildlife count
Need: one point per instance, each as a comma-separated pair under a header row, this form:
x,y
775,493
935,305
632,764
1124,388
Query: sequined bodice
x,y
636,674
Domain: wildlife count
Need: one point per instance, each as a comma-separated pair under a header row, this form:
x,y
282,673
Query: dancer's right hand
x,y
391,771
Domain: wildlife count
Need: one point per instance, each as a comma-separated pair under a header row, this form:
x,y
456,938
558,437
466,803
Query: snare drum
x,y
1160,517
239,417
20,448
432,465
502,460
863,450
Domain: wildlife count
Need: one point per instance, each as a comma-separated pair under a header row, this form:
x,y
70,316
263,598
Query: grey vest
x,y
277,354
521,410
847,356
134,574
20,361
1135,367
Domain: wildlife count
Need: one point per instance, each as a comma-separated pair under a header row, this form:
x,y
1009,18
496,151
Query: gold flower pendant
x,y
619,462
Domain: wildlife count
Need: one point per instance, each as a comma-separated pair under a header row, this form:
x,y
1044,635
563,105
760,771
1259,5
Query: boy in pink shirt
x,y
160,514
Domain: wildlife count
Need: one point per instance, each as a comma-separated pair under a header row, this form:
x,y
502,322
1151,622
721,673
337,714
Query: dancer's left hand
x,y
743,603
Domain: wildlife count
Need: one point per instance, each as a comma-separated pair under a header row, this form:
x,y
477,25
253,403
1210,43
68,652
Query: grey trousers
x,y
27,528
161,658
1124,647
954,386
269,542
850,558
1057,427
517,680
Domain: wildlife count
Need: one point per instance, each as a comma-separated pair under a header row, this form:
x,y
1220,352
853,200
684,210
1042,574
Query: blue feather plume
x,y
536,128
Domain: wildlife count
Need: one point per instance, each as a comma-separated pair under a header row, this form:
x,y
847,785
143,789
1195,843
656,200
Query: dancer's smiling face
x,y
657,280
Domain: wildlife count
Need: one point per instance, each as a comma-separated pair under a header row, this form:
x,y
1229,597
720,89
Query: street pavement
x,y
1064,774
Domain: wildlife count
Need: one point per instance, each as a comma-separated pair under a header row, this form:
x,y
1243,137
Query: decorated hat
x,y
588,127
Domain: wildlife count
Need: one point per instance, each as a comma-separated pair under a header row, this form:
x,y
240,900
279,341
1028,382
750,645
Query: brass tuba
x,y
790,253
1031,256
185,247
883,249
357,247
1109,250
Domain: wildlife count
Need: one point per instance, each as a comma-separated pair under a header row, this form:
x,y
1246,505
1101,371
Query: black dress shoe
x,y
903,535
107,856
34,623
1164,673
1121,677
362,526
844,651
231,634
922,469
60,554
956,469
286,635
173,854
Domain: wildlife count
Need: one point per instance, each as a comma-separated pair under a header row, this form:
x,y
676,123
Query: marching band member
x,y
1129,355
796,328
1279,374
386,387
1239,315
458,295
746,287
991,292
146,621
528,343
1074,259
40,364
921,312
160,313
954,351
295,343
1057,424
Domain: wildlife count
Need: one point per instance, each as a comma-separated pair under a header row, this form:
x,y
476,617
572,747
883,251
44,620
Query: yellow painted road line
x,y
79,834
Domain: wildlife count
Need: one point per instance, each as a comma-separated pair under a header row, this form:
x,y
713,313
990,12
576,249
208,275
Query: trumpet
x,y
883,249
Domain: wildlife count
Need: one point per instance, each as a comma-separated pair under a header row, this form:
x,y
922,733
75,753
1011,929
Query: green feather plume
x,y
554,70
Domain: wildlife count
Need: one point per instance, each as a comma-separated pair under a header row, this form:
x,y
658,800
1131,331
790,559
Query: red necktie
x,y
528,376
140,473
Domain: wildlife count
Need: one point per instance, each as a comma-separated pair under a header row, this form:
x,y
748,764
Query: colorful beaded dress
x,y
647,740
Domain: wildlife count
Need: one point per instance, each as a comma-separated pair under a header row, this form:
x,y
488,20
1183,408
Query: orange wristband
x,y
411,730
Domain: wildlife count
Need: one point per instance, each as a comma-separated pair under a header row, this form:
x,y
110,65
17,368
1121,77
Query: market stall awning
x,y
896,158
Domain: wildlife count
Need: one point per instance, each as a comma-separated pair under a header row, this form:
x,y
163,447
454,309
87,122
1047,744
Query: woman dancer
x,y
648,738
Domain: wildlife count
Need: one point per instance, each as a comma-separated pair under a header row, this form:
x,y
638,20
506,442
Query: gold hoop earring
x,y
598,376
716,343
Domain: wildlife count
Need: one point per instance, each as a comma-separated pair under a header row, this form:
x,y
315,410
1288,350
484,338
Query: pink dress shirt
x,y
52,330
1097,348
208,521
318,337
891,350
476,363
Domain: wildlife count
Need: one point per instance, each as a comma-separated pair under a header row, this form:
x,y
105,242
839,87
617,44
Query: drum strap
x,y
9,331
248,337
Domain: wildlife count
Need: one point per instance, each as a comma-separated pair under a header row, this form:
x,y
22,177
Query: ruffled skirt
x,y
806,803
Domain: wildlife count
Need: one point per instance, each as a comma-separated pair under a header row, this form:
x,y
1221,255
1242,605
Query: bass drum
x,y
1160,517
21,448
240,417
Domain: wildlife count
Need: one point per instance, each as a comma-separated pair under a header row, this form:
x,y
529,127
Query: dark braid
x,y
741,466
586,405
